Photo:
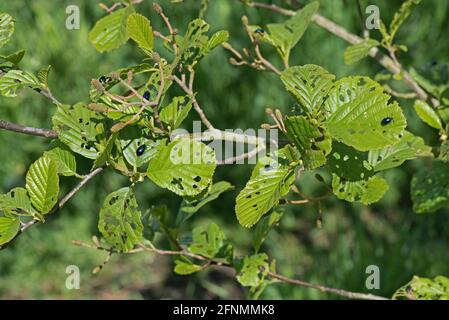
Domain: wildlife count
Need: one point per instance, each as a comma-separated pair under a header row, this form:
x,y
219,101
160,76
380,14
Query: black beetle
x,y
140,150
386,121
259,31
102,79
147,95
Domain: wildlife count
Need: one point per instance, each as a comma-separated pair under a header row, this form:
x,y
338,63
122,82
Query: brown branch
x,y
160,12
340,292
5,125
59,205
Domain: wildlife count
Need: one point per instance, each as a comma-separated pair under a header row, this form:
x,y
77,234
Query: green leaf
x,y
139,29
270,181
358,110
430,188
176,112
120,220
312,140
310,84
364,191
286,35
210,243
76,126
110,32
249,273
17,202
42,75
408,148
428,115
14,80
152,147
6,28
14,58
425,289
184,167
65,159
105,150
359,51
42,184
9,228
214,41
349,163
264,227
188,208
400,16
186,267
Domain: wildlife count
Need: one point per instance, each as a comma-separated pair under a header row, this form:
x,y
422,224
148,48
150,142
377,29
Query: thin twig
x,y
160,12
27,130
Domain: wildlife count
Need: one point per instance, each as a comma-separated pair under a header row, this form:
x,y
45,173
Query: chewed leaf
x,y
364,191
360,115
140,151
6,28
310,84
110,32
349,164
14,80
16,202
312,140
408,148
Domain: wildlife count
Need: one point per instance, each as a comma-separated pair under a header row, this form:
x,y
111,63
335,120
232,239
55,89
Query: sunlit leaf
x,y
357,52
427,114
249,273
6,28
9,227
139,29
14,80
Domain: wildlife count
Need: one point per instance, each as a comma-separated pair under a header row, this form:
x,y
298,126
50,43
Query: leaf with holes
x,y
211,243
357,52
14,80
430,188
17,202
149,149
76,126
349,163
364,191
408,148
252,271
111,32
184,167
9,228
139,29
360,115
176,112
310,84
425,289
6,28
65,159
120,220
188,208
42,184
287,34
312,140
428,115
270,181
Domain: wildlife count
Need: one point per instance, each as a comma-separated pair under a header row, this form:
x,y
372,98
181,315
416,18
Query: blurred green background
x,y
388,234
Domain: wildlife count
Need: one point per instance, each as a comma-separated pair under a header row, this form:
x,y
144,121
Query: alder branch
x,y
5,125
351,38
208,262
59,205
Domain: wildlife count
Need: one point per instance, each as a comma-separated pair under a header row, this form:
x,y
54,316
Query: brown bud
x,y
157,8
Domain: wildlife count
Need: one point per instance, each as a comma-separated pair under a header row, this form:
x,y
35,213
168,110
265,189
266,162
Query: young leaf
x,y
184,167
249,273
65,159
76,126
139,29
175,113
14,80
210,243
312,141
120,220
186,267
9,227
430,188
270,181
399,17
359,51
310,84
408,148
364,191
188,208
286,35
360,115
16,202
6,28
428,115
110,32
14,58
42,184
